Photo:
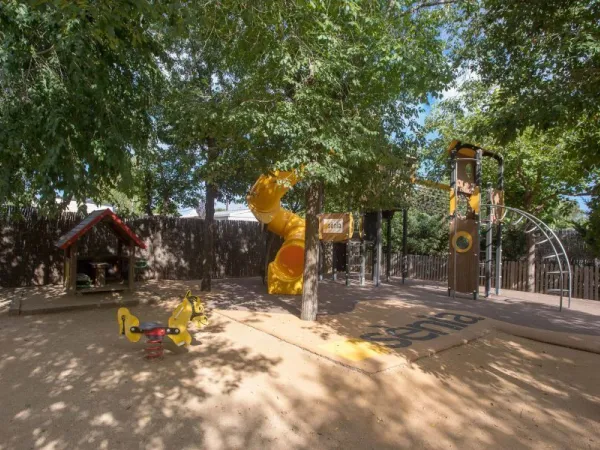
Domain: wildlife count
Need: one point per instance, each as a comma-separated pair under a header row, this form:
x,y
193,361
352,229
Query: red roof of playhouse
x,y
111,219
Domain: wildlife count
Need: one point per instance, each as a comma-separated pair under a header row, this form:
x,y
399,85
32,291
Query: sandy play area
x,y
393,367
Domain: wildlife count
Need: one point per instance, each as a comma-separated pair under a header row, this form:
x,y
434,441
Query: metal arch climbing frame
x,y
552,238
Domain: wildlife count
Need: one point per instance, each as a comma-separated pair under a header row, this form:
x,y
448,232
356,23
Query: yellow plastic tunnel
x,y
264,200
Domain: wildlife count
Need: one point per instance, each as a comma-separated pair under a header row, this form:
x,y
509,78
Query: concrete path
x,y
520,308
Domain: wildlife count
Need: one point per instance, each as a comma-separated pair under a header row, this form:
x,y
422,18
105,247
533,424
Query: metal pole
x,y
363,251
377,272
333,262
477,218
321,261
453,218
388,268
499,231
488,247
404,244
348,263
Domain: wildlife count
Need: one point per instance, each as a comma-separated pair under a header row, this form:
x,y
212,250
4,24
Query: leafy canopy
x,y
539,173
77,83
324,87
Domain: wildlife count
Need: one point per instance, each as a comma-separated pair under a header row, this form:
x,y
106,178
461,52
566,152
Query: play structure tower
x,y
264,200
465,219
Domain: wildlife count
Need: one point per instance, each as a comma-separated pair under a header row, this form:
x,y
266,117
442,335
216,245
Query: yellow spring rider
x,y
191,309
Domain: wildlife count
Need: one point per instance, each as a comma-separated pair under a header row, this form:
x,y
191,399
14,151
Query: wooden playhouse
x,y
123,265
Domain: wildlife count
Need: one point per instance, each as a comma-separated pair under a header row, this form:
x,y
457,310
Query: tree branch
x,y
430,5
42,52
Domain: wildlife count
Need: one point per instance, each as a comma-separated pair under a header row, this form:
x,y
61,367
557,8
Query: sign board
x,y
336,227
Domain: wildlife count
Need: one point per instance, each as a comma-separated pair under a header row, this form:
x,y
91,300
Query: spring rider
x,y
191,309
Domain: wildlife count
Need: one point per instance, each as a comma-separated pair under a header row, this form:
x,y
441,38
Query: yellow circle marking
x,y
465,235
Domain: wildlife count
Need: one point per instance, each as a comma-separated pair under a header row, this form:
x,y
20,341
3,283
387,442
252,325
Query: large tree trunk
x,y
311,254
209,222
530,262
148,199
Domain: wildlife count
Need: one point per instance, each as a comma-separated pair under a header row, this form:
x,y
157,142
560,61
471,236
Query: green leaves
x,y
76,87
330,87
543,61
540,173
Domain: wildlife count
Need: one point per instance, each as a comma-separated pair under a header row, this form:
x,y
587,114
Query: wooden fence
x,y
174,251
585,279
28,255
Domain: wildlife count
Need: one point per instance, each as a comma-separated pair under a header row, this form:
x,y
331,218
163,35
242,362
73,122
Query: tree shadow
x,y
69,381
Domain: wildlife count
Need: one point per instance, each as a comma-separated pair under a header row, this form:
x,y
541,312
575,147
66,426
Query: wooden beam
x,y
72,282
66,269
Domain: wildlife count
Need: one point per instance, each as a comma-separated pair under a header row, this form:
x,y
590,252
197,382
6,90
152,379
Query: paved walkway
x,y
519,308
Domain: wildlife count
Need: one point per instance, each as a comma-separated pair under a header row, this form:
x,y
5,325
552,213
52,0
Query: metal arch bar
x,y
543,227
538,224
519,220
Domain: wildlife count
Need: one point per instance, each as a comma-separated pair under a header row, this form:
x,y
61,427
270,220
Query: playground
x,y
385,362
299,225
259,377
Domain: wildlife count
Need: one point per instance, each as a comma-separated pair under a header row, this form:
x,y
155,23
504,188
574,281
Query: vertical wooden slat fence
x,y
585,280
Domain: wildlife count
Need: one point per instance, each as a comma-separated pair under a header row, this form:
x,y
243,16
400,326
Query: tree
x,y
317,87
200,111
77,81
325,86
539,174
542,61
427,233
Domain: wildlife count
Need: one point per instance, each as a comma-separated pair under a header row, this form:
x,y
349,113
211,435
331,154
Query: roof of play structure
x,y
122,231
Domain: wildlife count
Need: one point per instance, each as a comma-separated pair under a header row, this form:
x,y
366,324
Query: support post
x,y
333,262
321,243
404,244
66,268
120,259
453,217
131,276
363,251
72,282
348,263
477,216
499,231
499,258
377,258
321,260
388,267
488,247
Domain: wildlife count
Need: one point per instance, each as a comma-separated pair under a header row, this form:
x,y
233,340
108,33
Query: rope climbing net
x,y
429,200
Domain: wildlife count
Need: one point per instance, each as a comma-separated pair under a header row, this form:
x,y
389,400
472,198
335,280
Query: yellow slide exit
x,y
264,200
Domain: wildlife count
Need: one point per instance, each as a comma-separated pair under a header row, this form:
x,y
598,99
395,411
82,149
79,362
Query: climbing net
x,y
429,200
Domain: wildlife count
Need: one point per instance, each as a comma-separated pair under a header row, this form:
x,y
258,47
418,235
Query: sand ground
x,y
68,381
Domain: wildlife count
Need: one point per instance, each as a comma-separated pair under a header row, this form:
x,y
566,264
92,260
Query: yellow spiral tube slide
x,y
264,200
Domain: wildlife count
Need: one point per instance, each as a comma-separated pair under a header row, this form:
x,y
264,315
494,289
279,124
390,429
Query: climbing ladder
x,y
542,234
